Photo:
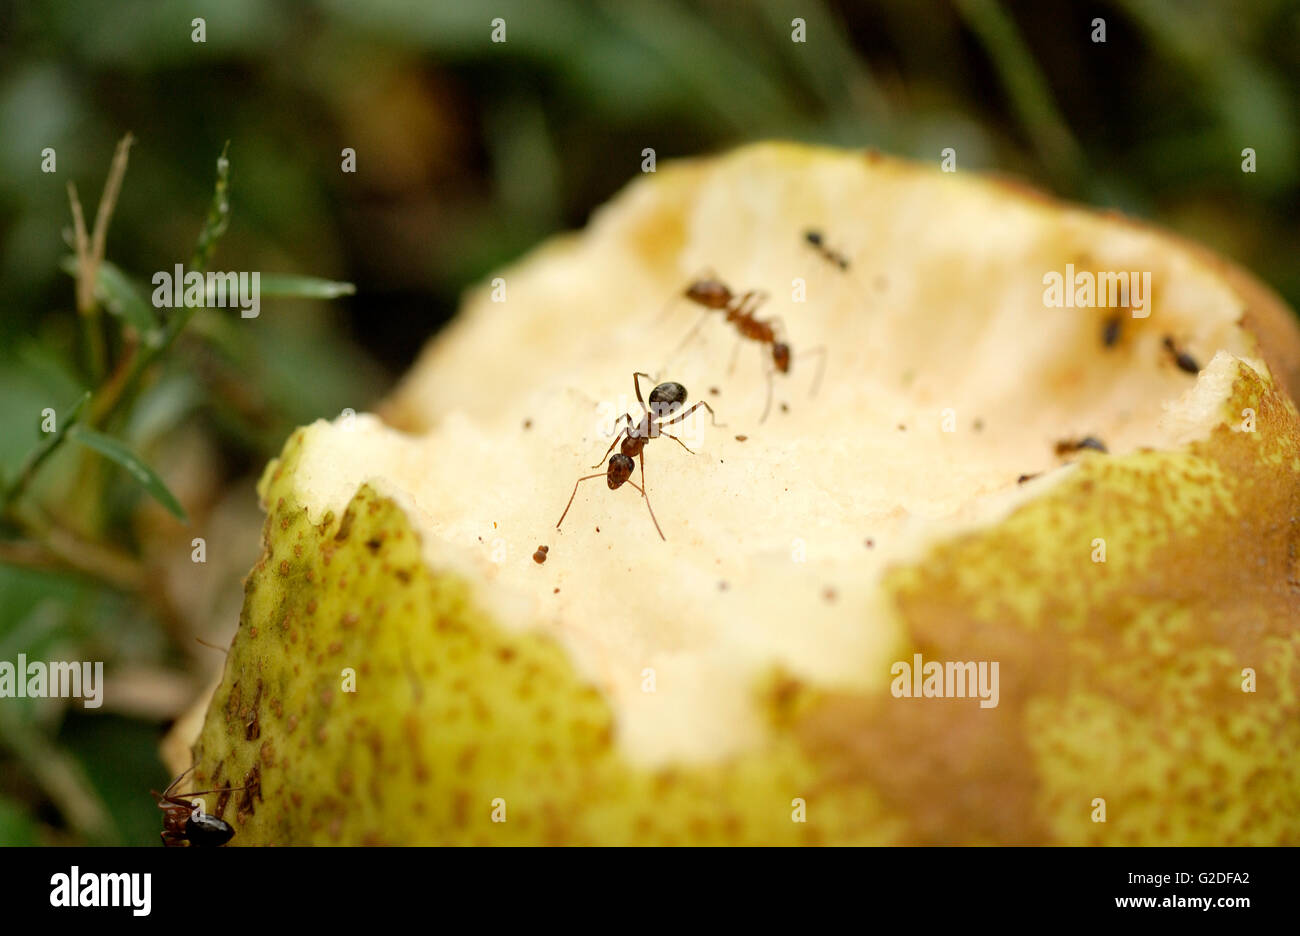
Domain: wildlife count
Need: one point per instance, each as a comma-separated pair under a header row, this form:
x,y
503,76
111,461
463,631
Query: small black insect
x,y
185,822
1110,330
1065,446
1184,360
815,240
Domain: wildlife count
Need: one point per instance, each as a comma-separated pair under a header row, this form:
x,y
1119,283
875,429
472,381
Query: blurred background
x,y
468,152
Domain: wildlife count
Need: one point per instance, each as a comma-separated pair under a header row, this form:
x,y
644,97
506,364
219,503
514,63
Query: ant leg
x,y
636,382
646,498
698,404
599,474
749,303
212,646
767,407
820,351
693,332
735,353
616,438
171,786
180,802
678,441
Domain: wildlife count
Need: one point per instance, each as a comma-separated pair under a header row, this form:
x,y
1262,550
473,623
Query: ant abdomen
x,y
205,831
666,398
781,356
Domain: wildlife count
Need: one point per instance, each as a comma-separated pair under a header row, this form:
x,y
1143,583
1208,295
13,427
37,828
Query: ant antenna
x,y
212,646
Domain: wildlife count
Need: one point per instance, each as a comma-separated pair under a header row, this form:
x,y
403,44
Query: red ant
x,y
185,822
716,296
665,399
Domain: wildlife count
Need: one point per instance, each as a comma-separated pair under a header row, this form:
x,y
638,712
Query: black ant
x,y
1111,330
665,399
185,822
1183,360
716,296
1066,446
817,242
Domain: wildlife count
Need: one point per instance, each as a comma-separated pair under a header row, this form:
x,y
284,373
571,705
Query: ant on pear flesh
x,y
716,296
815,240
185,822
665,400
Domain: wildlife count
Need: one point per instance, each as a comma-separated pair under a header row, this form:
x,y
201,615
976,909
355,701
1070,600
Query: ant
x,y
1111,330
665,399
817,242
1066,446
1183,360
185,822
716,296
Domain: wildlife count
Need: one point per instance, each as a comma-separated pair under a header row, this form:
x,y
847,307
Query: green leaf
x,y
61,426
115,451
16,827
303,287
122,298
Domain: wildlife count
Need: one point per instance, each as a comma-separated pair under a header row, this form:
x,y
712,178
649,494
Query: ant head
x,y
710,293
204,830
813,237
620,469
666,399
781,356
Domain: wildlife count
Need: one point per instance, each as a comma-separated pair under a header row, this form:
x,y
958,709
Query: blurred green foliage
x,y
469,152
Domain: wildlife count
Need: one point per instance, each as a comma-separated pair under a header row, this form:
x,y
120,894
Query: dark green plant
x,y
72,564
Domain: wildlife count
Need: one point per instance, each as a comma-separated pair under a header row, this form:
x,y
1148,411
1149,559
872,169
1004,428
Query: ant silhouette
x,y
185,822
715,296
815,240
665,400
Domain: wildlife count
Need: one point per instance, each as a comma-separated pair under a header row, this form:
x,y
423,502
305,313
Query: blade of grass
x,y
129,369
121,297
280,285
1027,87
115,451
61,426
90,250
58,774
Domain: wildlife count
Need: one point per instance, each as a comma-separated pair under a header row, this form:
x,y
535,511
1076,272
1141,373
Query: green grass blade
x,y
281,285
115,451
62,424
122,298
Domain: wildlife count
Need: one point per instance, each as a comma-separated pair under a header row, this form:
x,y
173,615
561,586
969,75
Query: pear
x,y
1022,570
